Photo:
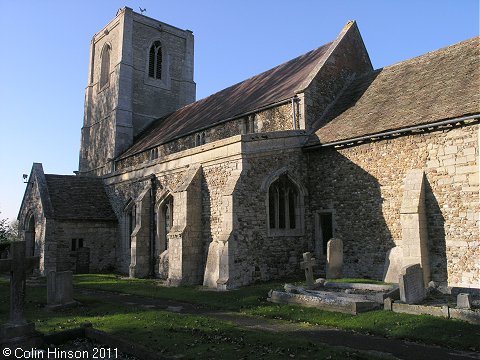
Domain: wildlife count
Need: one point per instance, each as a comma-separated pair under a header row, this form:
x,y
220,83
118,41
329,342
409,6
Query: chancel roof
x,y
78,198
440,85
269,87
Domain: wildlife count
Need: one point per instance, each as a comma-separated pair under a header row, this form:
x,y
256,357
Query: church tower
x,y
140,70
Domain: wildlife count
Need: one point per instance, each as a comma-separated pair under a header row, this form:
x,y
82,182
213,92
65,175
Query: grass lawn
x,y
251,300
171,334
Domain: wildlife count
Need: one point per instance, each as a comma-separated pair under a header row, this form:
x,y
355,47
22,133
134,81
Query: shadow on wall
x,y
354,198
436,237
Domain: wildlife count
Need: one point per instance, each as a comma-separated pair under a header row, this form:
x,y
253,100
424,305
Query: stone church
x,y
233,188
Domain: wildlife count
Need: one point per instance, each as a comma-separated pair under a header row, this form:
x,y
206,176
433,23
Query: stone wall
x,y
348,59
119,110
32,206
363,186
258,255
99,236
279,118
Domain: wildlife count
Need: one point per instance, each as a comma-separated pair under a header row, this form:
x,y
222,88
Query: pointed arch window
x,y
130,223
164,223
283,204
105,66
155,60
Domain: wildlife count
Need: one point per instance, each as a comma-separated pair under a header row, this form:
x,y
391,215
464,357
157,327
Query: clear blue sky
x,y
45,53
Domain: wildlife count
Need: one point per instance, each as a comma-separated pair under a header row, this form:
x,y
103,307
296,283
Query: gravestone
x,y
308,263
83,261
464,301
60,289
334,258
412,288
18,331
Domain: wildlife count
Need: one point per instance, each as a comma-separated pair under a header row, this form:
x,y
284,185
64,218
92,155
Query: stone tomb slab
x,y
411,284
329,303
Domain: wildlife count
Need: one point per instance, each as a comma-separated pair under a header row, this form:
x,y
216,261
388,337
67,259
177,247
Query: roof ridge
x,y
430,53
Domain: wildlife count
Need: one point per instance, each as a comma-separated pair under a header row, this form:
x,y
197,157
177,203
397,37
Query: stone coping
x,y
444,311
231,147
360,286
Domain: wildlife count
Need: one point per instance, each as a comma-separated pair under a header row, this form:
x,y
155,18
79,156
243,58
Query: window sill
x,y
285,232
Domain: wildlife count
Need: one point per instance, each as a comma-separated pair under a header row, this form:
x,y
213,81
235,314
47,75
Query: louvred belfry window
x,y
155,61
105,66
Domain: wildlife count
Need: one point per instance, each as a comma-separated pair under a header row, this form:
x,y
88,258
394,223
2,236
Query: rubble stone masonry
x,y
363,185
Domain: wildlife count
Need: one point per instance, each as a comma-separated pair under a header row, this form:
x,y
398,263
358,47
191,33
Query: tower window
x,y
155,61
105,67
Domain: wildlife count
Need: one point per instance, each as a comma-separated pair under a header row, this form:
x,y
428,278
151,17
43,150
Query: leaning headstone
x,y
308,263
83,261
18,331
412,288
464,301
60,289
334,258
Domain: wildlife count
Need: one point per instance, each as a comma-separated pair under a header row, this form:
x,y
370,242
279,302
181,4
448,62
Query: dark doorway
x,y
324,232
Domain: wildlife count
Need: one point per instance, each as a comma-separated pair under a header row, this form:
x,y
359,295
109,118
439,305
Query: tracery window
x,y
105,66
155,61
283,204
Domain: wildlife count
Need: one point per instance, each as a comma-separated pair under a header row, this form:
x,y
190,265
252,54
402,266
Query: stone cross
x,y
308,263
18,265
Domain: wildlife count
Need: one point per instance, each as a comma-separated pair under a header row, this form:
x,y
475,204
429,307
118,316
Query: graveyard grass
x,y
194,334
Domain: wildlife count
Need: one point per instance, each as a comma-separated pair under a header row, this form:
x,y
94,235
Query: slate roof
x,y
78,198
269,87
440,85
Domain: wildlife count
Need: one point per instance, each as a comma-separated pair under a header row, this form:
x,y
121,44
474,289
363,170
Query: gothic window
x,y
283,204
130,214
30,234
155,61
105,66
164,223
